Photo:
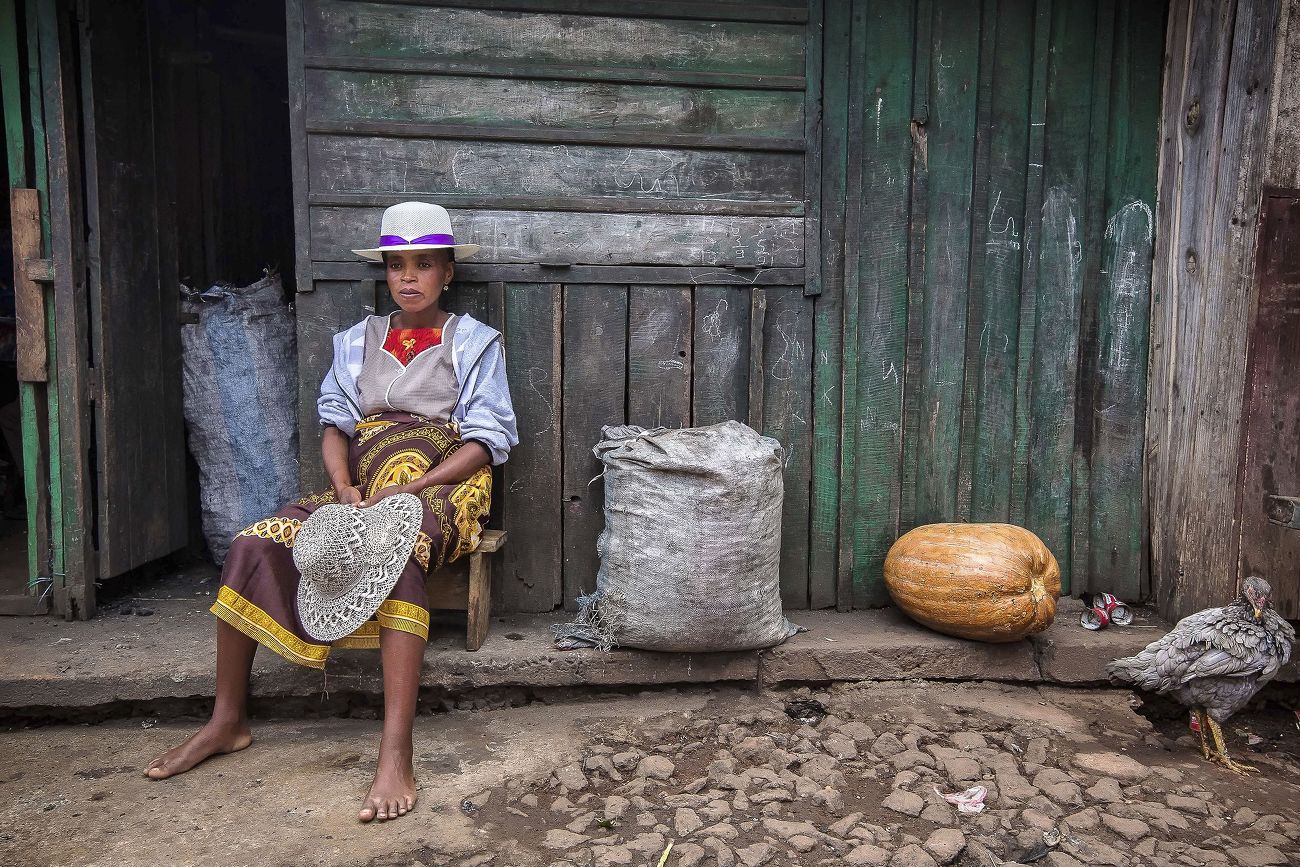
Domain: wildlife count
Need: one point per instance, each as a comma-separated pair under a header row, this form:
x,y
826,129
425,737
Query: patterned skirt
x,y
259,582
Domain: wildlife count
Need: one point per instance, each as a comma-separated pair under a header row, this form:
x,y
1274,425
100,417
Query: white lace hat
x,y
350,559
416,226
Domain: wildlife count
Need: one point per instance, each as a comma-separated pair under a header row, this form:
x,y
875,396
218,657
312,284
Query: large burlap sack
x,y
240,387
690,553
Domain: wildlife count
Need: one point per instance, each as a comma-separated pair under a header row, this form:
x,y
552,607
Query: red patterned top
x,y
406,343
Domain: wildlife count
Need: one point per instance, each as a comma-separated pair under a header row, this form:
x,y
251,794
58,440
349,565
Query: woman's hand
x,y
348,495
385,492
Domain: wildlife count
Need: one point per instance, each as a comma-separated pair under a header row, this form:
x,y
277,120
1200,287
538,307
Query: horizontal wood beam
x,y
555,72
714,11
641,138
632,274
600,204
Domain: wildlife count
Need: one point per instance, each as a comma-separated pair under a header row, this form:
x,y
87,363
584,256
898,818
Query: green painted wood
x,y
530,576
74,584
829,572
1034,174
1117,560
923,60
881,292
351,29
595,367
976,314
721,355
53,558
787,416
827,578
998,253
1095,225
336,95
849,148
950,144
659,356
35,493
1061,268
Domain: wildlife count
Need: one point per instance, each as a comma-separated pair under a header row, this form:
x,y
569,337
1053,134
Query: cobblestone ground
x,y
778,784
729,777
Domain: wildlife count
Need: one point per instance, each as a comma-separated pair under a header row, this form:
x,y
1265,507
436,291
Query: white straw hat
x,y
350,559
416,226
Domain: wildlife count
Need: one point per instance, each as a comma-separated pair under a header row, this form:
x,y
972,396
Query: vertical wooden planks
x,y
1032,218
1215,119
831,144
787,413
918,127
74,585
998,251
1061,269
595,368
721,355
659,340
848,127
1116,522
1096,221
880,299
530,577
950,148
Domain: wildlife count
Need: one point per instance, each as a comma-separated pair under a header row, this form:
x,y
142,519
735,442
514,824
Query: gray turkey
x,y
1214,661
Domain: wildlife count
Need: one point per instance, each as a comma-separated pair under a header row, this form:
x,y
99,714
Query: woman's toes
x,y
368,812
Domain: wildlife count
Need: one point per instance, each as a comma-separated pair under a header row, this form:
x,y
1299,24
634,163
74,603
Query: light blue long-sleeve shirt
x,y
483,411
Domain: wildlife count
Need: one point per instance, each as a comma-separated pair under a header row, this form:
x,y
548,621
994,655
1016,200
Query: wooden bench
x,y
466,585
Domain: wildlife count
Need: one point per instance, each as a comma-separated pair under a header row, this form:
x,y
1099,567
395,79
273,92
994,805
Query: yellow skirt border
x,y
262,628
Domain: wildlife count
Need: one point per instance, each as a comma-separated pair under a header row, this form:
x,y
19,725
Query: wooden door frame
x,y
74,577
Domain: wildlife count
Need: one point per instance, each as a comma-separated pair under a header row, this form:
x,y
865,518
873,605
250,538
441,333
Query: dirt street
x,y
728,777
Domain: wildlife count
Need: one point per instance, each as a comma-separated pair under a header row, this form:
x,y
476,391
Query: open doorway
x,y
219,99
158,143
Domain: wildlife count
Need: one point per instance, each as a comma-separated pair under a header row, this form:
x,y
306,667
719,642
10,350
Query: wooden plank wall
x,y
1000,184
1214,147
638,175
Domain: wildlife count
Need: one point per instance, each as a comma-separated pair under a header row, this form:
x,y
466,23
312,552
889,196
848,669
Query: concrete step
x,y
169,654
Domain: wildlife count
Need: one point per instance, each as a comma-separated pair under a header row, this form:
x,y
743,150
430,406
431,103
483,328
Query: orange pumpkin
x,y
989,582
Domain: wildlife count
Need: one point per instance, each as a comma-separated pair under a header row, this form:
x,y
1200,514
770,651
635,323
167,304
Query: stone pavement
x,y
123,658
730,777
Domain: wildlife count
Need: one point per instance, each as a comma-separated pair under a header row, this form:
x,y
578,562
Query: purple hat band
x,y
398,240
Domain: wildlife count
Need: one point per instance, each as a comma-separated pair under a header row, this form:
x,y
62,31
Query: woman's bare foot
x,y
212,740
392,794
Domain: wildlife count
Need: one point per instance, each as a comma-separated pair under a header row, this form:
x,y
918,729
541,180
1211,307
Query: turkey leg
x,y
1221,751
1202,723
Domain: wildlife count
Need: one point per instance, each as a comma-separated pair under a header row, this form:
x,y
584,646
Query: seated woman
x,y
415,402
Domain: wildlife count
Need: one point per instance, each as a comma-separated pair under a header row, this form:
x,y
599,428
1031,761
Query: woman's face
x,y
416,278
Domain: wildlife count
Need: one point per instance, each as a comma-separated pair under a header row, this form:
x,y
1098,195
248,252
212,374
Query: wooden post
x,y
480,600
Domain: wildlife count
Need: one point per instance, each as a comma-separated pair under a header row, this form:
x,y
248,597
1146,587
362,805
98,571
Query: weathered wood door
x,y
641,179
119,430
1271,452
